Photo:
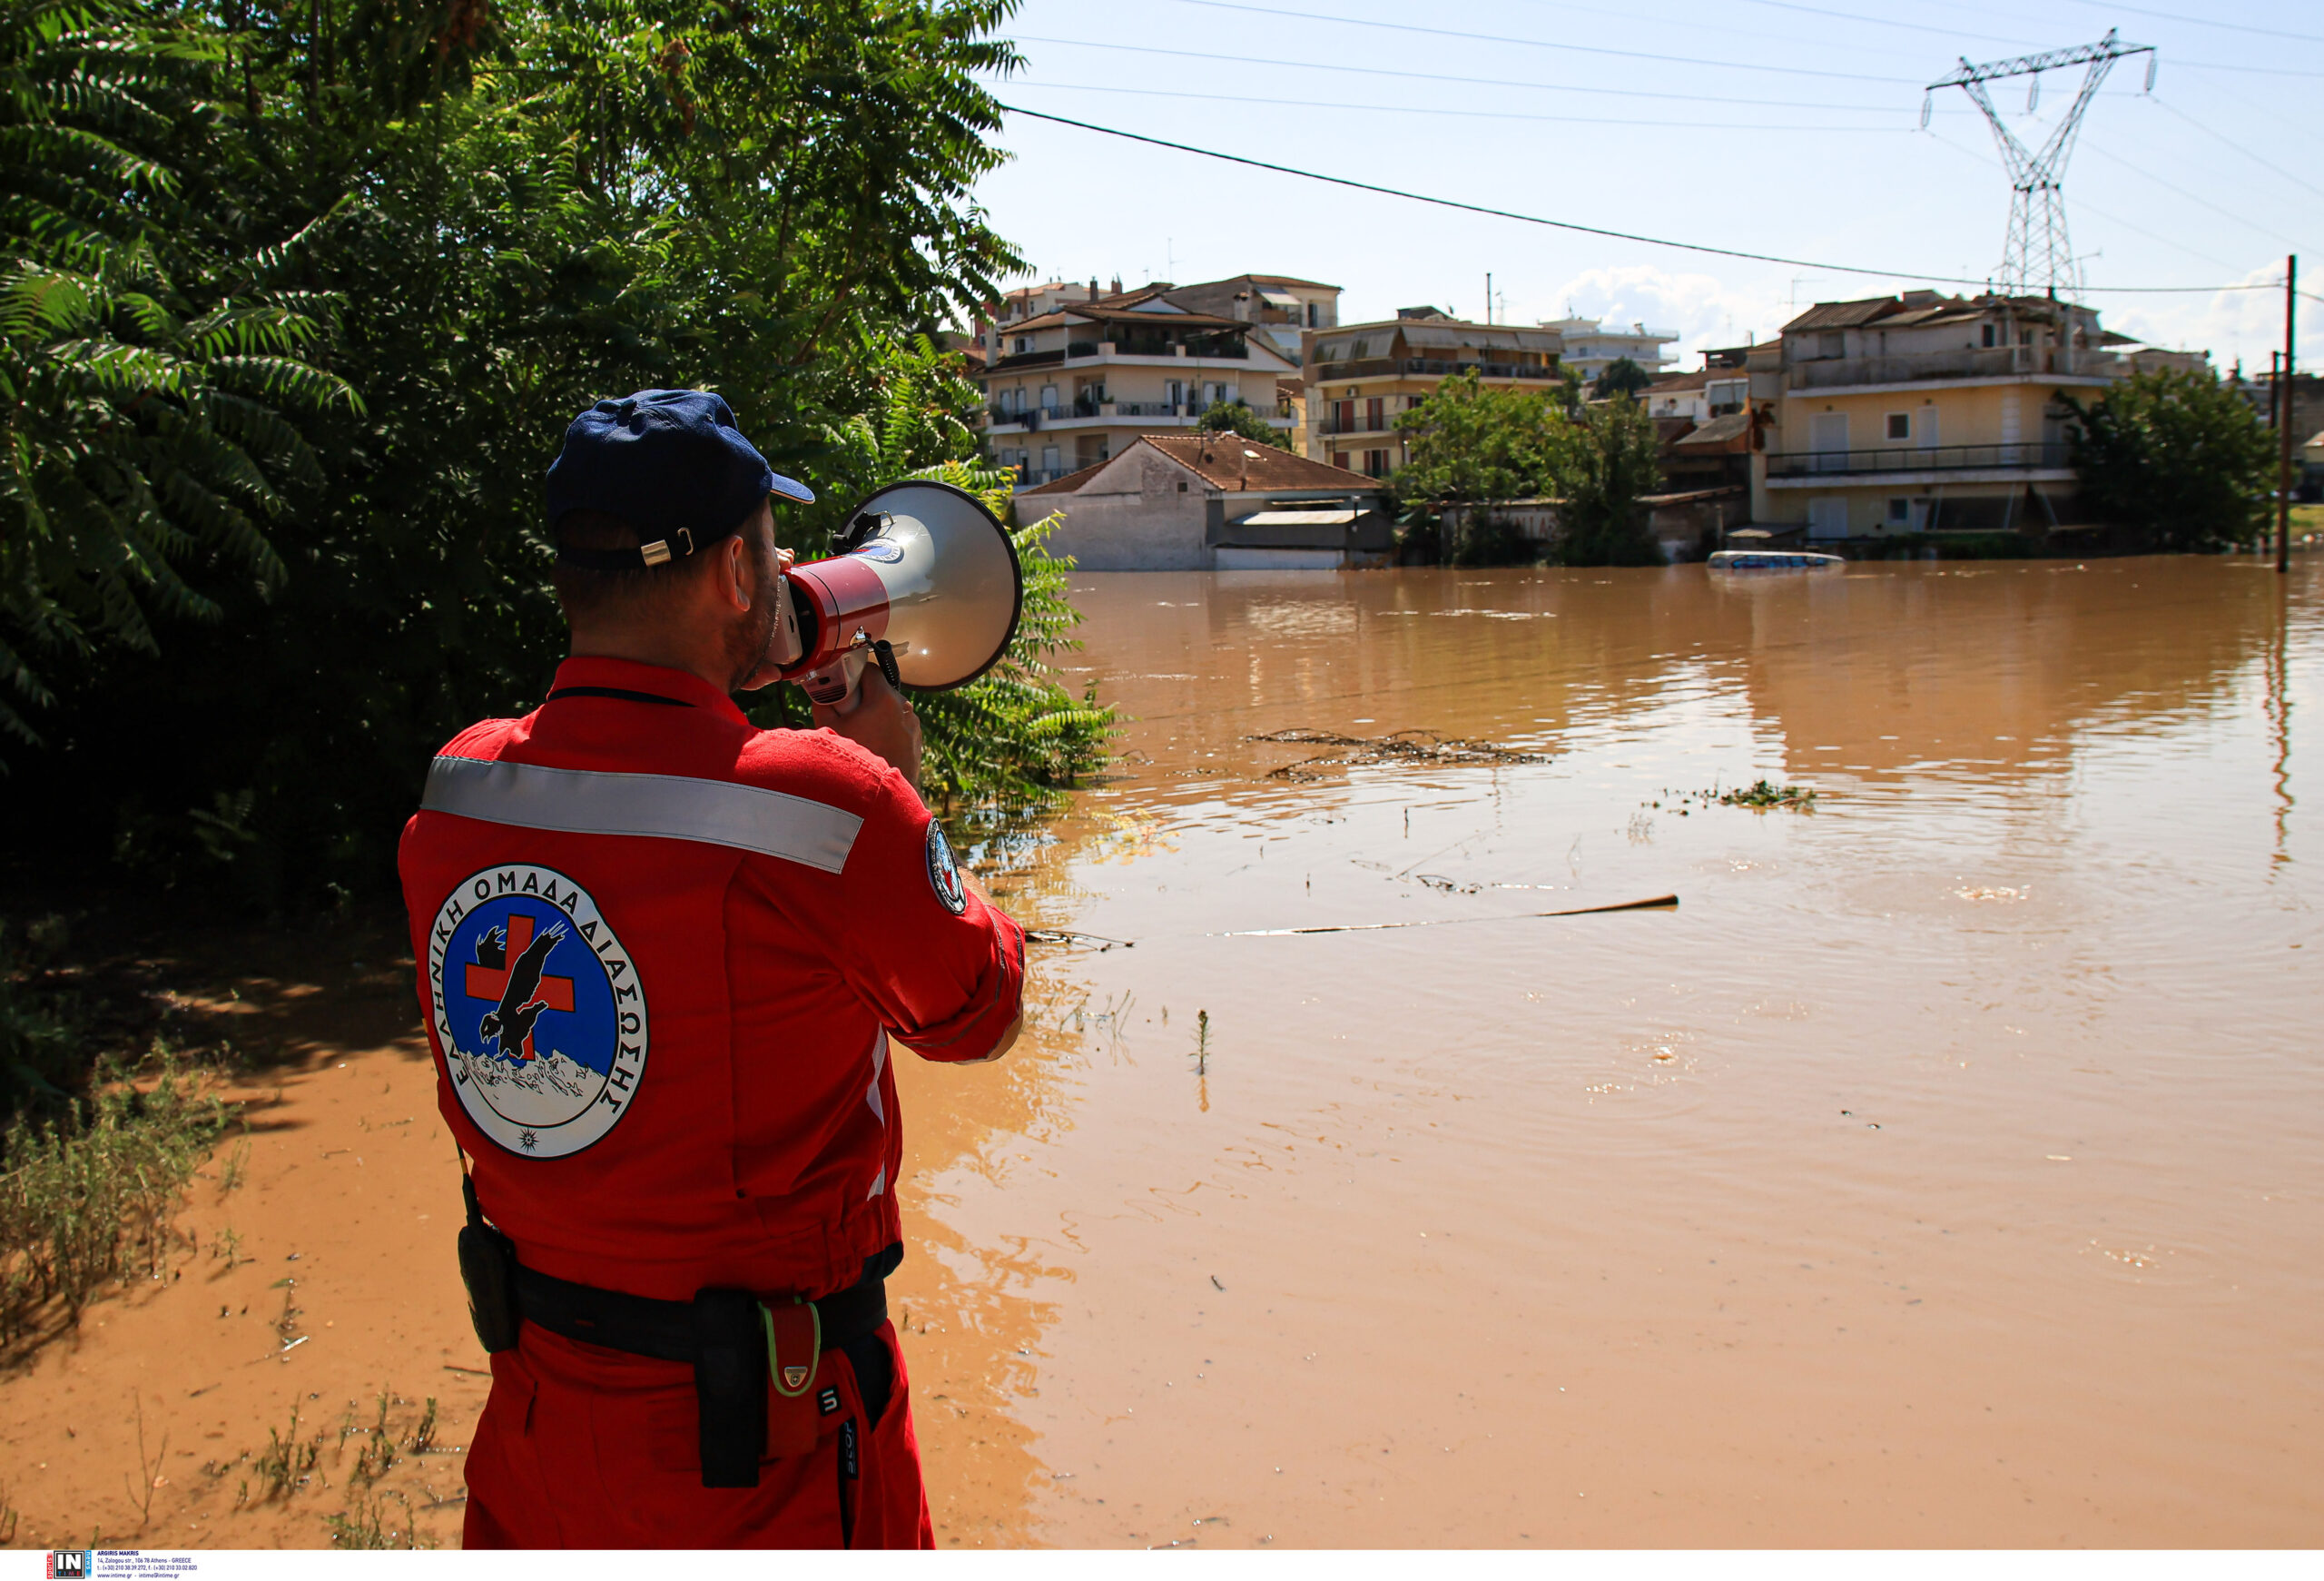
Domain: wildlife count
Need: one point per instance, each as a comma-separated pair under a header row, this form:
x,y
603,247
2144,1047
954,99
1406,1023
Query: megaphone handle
x,y
884,651
839,686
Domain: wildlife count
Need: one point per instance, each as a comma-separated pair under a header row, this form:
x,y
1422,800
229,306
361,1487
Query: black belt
x,y
666,1331
727,1335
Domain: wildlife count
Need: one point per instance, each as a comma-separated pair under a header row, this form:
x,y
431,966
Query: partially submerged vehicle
x,y
1741,560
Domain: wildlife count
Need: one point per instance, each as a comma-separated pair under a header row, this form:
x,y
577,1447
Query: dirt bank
x,y
304,1363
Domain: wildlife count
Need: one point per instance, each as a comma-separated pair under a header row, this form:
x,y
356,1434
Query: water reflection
x,y
1944,1170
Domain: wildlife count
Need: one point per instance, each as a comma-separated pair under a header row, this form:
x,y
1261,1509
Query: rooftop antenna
x,y
2038,256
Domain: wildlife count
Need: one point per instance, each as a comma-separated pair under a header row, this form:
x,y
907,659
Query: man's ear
x,y
735,586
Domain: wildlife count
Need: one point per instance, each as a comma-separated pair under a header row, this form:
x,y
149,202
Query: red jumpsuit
x,y
661,955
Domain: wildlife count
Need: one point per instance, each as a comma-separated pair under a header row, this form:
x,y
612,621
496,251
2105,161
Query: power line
x,y
1588,230
1438,78
2220,137
2200,20
2192,198
1379,109
1683,60
1952,33
2087,207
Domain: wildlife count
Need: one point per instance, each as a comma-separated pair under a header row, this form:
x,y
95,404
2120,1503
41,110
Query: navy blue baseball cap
x,y
671,464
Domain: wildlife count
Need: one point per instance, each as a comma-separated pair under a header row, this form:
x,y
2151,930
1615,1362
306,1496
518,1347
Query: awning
x,y
1494,338
1297,519
1276,299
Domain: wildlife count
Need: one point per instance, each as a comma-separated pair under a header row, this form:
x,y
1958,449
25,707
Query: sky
x,y
1782,127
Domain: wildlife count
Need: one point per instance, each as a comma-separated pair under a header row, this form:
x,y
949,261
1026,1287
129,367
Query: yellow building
x,y
1360,376
1926,413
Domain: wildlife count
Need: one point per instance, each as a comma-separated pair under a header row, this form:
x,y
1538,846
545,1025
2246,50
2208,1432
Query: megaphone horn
x,y
927,586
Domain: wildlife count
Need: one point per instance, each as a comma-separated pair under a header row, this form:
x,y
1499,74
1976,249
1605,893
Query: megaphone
x,y
926,585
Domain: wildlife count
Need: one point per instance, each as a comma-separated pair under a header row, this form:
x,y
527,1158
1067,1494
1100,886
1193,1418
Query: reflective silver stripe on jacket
x,y
667,806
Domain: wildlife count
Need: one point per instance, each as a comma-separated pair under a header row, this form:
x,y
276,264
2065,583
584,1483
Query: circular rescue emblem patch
x,y
538,1009
943,873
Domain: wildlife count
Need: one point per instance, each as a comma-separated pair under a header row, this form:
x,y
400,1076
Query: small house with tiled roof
x,y
1215,501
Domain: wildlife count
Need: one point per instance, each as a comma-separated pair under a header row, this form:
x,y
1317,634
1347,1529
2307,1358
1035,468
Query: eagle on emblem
x,y
511,1022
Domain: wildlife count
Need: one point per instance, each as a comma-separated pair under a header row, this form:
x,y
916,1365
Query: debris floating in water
x,y
1656,903
1068,936
1418,747
1762,794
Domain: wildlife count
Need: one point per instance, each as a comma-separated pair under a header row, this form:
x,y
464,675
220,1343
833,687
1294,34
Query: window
x,y
1989,334
1176,389
1928,428
1375,415
1339,459
1900,512
1182,485
1832,343
1048,459
1048,397
1375,463
1314,319
1900,425
1024,344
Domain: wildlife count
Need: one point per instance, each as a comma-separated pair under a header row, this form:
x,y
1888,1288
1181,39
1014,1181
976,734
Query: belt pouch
x,y
489,1269
730,1386
793,1346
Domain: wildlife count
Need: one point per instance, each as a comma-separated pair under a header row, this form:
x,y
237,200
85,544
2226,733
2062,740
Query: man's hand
x,y
881,723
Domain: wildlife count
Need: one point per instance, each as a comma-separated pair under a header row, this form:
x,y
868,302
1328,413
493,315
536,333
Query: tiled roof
x,y
1218,461
1719,433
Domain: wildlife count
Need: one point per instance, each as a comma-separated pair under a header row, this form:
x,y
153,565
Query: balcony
x,y
1968,362
1392,367
1361,423
1905,459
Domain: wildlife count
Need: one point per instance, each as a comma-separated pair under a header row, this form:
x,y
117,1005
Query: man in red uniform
x,y
662,955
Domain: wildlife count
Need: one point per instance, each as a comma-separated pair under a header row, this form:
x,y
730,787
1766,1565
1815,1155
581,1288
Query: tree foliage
x,y
1614,465
2180,459
1235,417
1620,376
301,300
147,390
1471,441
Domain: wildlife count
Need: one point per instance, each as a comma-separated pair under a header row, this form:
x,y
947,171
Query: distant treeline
x,y
299,300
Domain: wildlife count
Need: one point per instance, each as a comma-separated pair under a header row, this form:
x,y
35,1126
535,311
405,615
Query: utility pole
x,y
2284,425
1488,296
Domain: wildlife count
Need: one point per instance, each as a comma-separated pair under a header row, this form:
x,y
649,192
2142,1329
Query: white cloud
x,y
1703,309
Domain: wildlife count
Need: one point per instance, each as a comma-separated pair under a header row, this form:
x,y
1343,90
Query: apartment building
x,y
1278,305
1075,381
1592,347
1926,413
1362,377
1700,396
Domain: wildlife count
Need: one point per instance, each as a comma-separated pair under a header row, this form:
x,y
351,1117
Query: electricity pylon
x,y
2038,256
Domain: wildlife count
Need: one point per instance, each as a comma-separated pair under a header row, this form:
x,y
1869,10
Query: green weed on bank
x,y
88,1197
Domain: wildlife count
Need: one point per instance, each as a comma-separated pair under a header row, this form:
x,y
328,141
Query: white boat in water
x,y
1740,561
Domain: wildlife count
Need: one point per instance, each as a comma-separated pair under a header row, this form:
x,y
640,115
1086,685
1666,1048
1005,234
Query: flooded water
x,y
1948,1168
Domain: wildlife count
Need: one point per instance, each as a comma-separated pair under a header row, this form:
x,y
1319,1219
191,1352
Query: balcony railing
x,y
1361,423
1969,362
1031,416
1905,459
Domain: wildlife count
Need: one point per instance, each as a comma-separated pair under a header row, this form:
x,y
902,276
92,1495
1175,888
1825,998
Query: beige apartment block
x,y
1362,377
1926,414
1075,383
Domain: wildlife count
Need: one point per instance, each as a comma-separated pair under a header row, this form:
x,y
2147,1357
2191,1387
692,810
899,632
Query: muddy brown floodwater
x,y
1945,1170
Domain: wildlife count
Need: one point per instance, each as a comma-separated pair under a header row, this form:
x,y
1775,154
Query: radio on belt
x,y
925,584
